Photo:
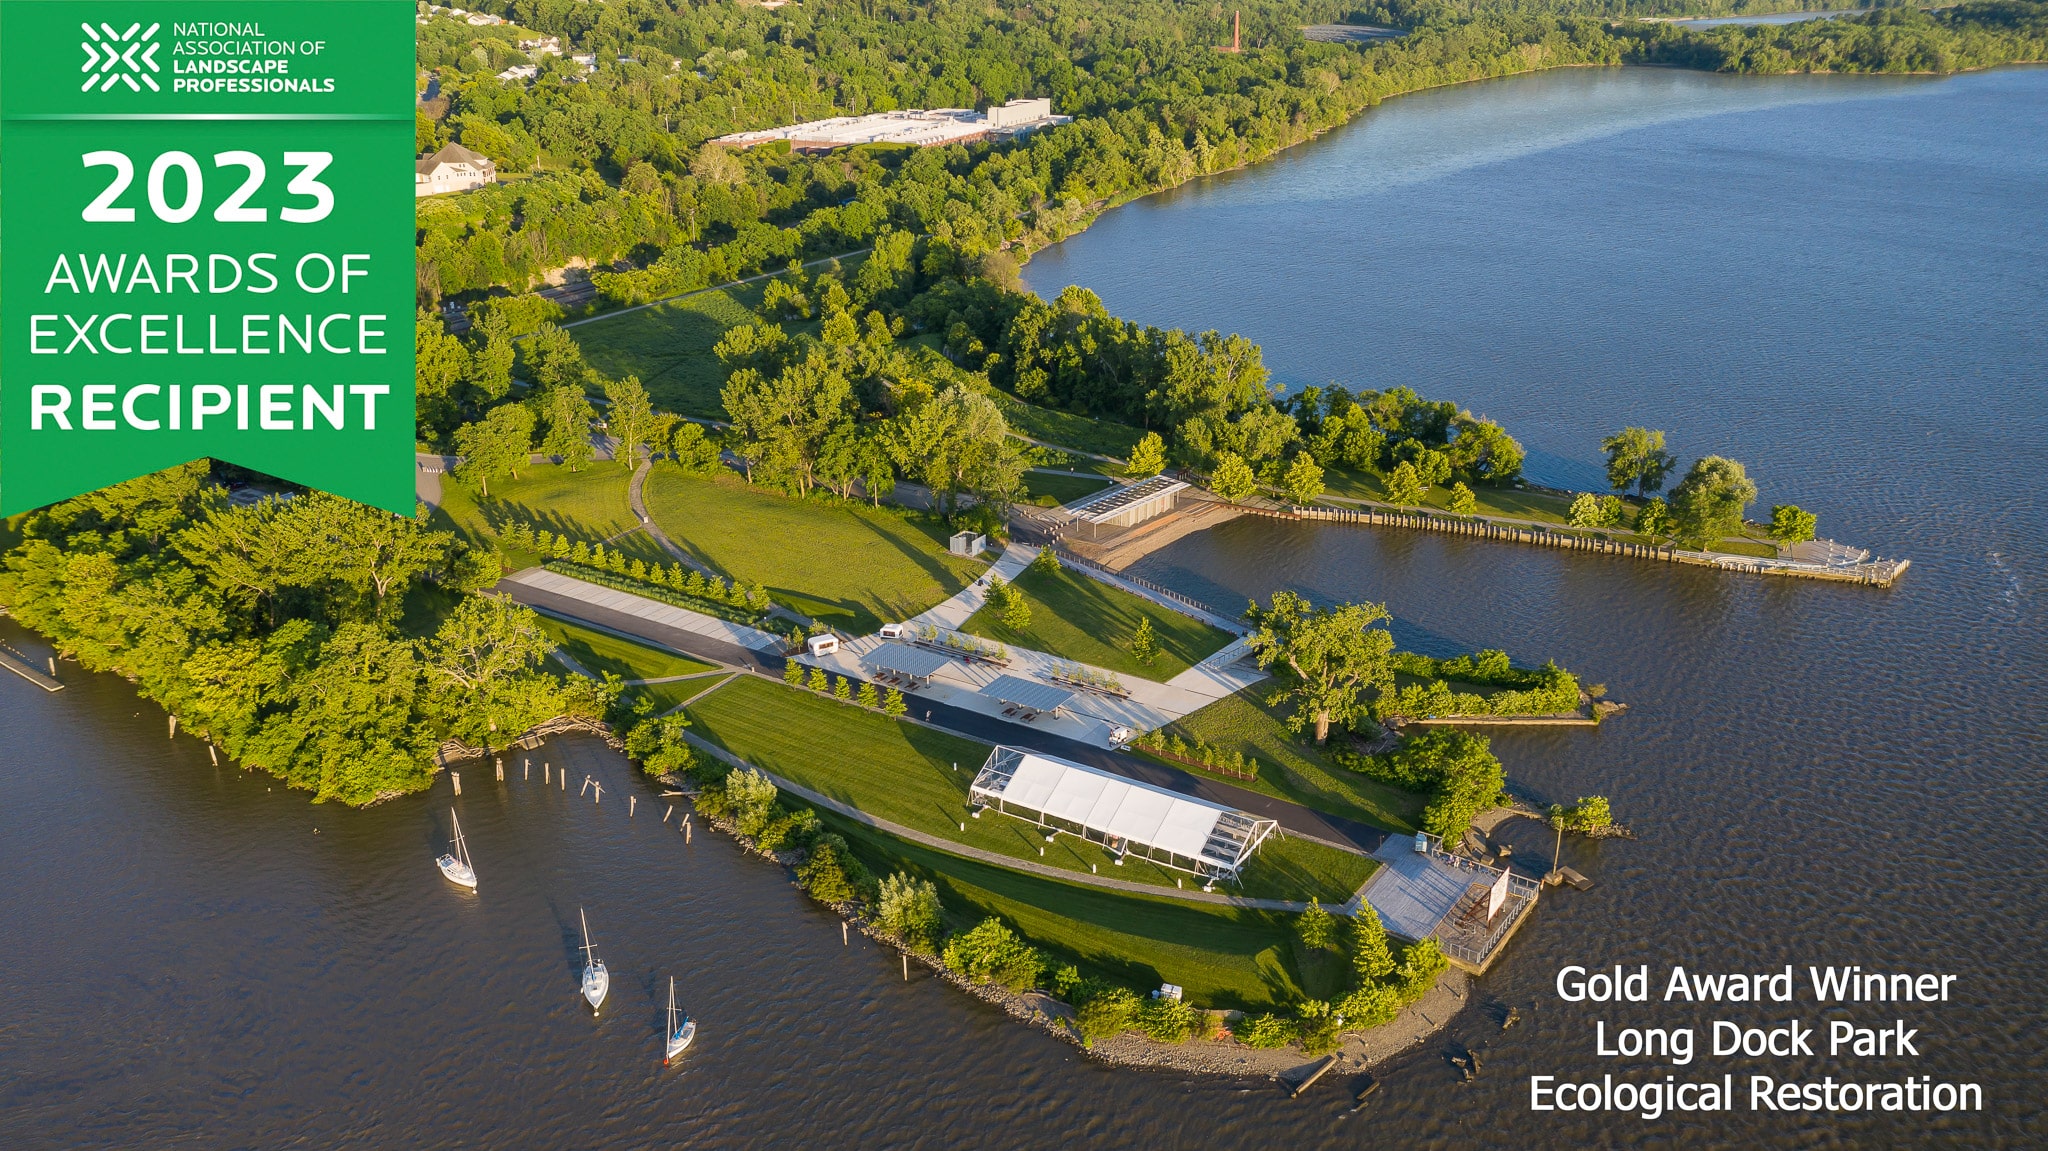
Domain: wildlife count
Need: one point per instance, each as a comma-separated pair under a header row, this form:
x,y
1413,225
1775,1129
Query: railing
x,y
1187,605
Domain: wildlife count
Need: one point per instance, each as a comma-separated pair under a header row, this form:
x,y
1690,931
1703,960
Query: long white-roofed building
x,y
1123,815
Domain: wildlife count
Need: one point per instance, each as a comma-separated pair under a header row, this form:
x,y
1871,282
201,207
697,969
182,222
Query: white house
x,y
452,169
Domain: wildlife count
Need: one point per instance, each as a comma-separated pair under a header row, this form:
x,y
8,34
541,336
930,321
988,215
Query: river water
x,y
1835,282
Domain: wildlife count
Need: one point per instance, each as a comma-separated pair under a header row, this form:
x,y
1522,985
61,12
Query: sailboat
x,y
455,865
596,980
681,1028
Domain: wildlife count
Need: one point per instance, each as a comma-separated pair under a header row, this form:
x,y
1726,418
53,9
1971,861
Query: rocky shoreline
x,y
1358,1051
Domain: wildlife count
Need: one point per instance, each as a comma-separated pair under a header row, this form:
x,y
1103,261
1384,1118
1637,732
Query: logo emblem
x,y
103,53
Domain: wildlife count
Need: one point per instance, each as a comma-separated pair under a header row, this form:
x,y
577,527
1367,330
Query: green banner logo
x,y
206,243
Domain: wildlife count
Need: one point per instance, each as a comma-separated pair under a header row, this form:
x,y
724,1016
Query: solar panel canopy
x,y
1027,693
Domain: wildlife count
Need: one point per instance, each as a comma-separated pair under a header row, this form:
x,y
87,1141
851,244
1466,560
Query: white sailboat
x,y
681,1028
596,980
455,865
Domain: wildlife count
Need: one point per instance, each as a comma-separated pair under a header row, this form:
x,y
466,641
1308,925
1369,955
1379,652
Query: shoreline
x,y
1356,1051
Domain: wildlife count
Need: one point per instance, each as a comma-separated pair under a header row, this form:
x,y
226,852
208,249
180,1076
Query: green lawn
x,y
1292,768
589,504
1079,433
1039,486
1078,618
849,564
1224,957
669,346
903,773
600,652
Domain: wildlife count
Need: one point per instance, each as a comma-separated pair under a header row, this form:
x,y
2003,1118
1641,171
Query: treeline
x,y
275,630
1891,40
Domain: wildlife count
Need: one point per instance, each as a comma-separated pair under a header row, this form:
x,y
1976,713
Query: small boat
x,y
455,865
596,980
681,1028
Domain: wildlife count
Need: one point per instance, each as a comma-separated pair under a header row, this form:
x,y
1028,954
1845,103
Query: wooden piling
x,y
843,941
174,727
671,811
500,764
632,801
906,967
53,675
213,754
456,777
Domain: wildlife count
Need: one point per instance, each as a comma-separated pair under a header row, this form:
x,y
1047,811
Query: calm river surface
x,y
1837,282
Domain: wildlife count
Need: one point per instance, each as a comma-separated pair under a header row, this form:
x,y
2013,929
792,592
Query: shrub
x,y
659,745
1420,968
795,829
842,689
750,798
1108,1013
1320,1028
1316,928
829,873
819,680
1144,641
991,951
793,673
1167,1020
893,705
908,908
1266,1031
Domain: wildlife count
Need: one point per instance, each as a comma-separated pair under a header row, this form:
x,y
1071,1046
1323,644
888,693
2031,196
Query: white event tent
x,y
1124,815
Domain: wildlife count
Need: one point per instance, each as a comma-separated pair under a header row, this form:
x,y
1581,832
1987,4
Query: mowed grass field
x,y
589,504
600,652
851,565
1224,957
669,346
1083,619
904,773
1040,486
1294,768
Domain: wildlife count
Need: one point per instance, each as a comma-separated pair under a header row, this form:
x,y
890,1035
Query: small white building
x,y
452,169
967,544
542,46
520,72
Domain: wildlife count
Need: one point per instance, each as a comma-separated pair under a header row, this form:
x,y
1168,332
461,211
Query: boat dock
x,y
18,663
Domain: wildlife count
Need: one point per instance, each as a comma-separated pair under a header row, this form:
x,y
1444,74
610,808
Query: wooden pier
x,y
17,663
1874,573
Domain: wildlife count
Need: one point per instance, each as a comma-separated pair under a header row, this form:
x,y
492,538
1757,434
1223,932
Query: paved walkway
x,y
999,860
1305,822
1091,718
626,603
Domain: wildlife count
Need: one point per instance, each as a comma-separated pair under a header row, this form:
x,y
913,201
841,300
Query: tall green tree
x,y
569,415
1148,457
1636,459
1304,479
499,445
631,419
1371,958
1792,524
1405,488
1329,658
1234,480
1708,503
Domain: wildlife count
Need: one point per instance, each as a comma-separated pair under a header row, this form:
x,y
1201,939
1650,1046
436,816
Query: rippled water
x,y
1836,283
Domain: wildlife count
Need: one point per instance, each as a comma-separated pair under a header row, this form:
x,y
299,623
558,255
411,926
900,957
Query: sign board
x,y
1497,897
207,218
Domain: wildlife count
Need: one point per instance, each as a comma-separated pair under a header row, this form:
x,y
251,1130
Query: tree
x,y
1148,457
1463,502
568,415
1792,524
893,705
483,666
1636,458
867,697
631,418
695,453
1009,603
1304,480
959,444
1585,511
1233,480
500,444
1047,562
1405,488
1316,928
1592,813
1708,503
908,908
1653,519
1371,958
1333,656
1144,641
440,365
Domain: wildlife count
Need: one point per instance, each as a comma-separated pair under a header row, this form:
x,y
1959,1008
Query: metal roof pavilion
x,y
907,660
1111,502
1123,815
1028,693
